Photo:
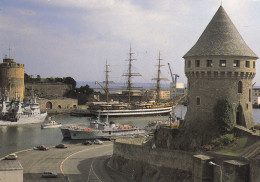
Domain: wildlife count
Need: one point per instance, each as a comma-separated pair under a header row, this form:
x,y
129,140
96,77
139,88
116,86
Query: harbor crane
x,y
174,78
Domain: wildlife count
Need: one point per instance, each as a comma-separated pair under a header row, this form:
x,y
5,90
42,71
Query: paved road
x,y
78,162
89,165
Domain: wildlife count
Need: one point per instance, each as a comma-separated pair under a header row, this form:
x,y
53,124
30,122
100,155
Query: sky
x,y
60,38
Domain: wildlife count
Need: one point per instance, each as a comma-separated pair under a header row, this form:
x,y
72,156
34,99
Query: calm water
x,y
15,138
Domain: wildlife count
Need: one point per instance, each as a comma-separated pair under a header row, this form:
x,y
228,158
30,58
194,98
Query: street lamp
x,y
220,169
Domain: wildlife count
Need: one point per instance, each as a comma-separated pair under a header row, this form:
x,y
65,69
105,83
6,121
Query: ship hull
x,y
51,126
65,132
26,119
132,112
99,134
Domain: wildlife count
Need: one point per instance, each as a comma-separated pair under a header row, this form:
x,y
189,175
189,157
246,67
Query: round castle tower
x,y
219,66
12,78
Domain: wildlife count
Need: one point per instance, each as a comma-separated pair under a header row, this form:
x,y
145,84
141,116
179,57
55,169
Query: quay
x,y
78,162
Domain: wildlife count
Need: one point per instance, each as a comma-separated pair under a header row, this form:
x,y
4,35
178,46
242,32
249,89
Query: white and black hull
x,y
132,112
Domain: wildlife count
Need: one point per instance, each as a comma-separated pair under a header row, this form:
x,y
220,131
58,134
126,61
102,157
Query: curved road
x,y
77,163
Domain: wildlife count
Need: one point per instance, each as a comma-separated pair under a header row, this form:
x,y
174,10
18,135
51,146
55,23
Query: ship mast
x,y
158,79
106,87
129,75
107,82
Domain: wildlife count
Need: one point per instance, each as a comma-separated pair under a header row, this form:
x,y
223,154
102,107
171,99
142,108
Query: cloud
x,y
75,37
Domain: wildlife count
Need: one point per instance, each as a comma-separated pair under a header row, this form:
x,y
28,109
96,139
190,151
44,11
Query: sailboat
x,y
131,108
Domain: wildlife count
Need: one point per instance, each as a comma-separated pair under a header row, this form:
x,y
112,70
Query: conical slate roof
x,y
220,38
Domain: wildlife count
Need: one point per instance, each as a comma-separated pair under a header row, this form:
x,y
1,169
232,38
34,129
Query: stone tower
x,y
219,66
12,78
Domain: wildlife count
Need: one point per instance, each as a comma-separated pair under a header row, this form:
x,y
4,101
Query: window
x,y
240,87
254,64
209,63
222,63
189,64
247,64
198,101
197,63
249,98
236,63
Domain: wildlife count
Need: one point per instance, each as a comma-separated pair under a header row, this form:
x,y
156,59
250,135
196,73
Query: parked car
x,y
97,141
61,146
41,147
87,142
49,174
11,157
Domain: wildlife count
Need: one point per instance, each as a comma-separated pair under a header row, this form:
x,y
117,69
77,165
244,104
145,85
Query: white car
x,y
11,157
97,141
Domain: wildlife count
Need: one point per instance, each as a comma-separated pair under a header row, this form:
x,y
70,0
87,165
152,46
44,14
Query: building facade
x,y
256,96
12,78
57,105
178,91
219,66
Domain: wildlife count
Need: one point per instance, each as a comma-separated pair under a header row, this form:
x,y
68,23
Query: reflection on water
x,y
15,138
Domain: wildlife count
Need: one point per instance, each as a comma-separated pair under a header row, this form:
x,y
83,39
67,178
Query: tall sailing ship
x,y
113,109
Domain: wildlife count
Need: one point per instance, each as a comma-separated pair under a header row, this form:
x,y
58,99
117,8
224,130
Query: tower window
x,y
236,63
189,64
249,97
198,101
254,64
197,63
222,63
209,63
247,64
240,87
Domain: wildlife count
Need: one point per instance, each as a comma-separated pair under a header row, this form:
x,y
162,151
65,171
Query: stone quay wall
x,y
157,157
141,162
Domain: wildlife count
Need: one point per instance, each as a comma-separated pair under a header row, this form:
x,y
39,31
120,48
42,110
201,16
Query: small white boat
x,y
51,124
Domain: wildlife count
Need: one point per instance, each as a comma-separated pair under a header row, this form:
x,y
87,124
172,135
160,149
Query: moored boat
x,y
98,130
51,124
16,112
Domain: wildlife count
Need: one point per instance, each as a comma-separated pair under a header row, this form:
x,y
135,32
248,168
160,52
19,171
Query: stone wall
x,y
144,163
157,157
59,105
47,90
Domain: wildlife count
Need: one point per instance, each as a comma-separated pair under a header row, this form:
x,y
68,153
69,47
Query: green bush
x,y
223,140
224,115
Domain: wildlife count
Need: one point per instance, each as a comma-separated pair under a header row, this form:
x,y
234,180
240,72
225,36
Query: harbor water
x,y
21,137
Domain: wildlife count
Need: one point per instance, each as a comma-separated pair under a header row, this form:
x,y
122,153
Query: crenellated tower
x,y
219,66
12,78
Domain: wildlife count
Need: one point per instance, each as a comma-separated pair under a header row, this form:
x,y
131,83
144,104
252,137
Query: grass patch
x,y
236,147
82,106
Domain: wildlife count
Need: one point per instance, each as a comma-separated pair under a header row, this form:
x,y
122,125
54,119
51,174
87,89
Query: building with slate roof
x,y
219,66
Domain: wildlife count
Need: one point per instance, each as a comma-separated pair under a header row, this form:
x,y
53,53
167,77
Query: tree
x,y
27,78
71,81
38,78
224,115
